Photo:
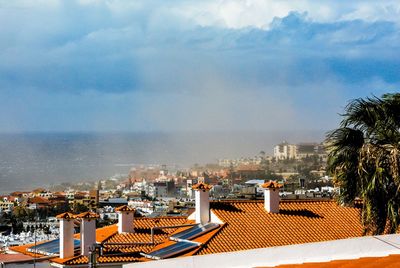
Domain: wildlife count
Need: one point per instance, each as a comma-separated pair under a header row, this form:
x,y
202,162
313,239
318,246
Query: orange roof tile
x,y
126,242
160,221
65,215
390,261
271,185
203,239
124,208
246,226
23,249
38,200
119,245
18,193
202,186
87,215
101,259
249,226
105,232
6,258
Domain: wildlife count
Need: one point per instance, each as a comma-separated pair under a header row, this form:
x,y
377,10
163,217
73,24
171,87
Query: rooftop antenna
x,y
93,255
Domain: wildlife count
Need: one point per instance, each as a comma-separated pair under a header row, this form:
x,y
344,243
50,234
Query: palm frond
x,y
364,159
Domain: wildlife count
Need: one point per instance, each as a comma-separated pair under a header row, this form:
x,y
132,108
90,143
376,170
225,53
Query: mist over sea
x,y
31,160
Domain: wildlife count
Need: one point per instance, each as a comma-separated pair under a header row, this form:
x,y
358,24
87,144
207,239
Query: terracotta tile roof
x,y
203,239
142,235
246,226
18,193
11,198
249,226
101,235
123,247
115,249
147,223
23,249
87,215
202,186
168,242
100,259
390,261
65,215
105,232
5,258
38,200
124,208
271,185
125,243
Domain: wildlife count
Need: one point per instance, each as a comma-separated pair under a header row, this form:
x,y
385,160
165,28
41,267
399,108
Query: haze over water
x,y
249,73
41,159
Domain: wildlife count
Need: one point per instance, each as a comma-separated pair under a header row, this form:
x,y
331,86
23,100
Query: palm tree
x,y
364,159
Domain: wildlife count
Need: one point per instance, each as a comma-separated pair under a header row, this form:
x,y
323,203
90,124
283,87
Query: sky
x,y
222,65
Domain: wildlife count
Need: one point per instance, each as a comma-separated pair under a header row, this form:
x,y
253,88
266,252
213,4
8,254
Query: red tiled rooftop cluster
x,y
249,226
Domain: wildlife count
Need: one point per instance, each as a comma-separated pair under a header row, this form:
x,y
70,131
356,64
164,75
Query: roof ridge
x,y
262,200
308,200
124,208
87,215
162,217
73,258
202,186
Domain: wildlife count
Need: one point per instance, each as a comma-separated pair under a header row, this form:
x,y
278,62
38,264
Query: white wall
x,y
88,235
125,222
66,238
271,200
312,252
202,212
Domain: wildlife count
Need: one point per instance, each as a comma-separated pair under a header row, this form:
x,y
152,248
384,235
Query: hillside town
x,y
216,133
162,191
162,216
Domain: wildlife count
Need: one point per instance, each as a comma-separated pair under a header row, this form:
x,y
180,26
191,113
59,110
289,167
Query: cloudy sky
x,y
118,65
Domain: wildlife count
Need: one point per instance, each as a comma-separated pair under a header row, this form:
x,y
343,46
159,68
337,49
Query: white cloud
x,y
238,14
147,60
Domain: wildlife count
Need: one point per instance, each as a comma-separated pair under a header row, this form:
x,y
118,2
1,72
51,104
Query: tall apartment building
x,y
285,150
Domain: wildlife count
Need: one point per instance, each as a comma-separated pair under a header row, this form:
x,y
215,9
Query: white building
x,y
6,206
285,150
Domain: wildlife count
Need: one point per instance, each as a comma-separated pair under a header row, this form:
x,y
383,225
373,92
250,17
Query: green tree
x,y
19,213
364,159
79,208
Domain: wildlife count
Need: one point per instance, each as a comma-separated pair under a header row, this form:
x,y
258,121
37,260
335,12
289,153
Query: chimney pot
x,y
66,235
126,217
88,231
271,196
202,213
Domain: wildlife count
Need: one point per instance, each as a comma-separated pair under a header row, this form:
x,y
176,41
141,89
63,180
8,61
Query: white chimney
x,y
202,212
126,216
271,196
88,231
66,235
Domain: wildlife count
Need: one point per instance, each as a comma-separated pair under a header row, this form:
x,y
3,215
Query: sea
x,y
30,160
